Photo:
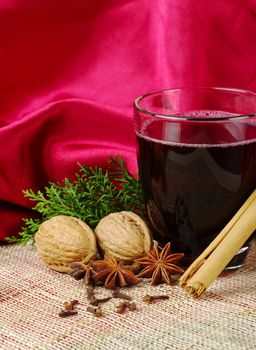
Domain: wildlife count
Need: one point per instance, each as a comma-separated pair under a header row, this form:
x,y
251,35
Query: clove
x,y
96,301
95,311
70,305
117,294
77,270
151,298
66,313
92,299
90,292
132,307
121,308
69,309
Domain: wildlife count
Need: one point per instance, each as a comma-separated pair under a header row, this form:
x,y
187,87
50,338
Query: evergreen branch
x,y
93,194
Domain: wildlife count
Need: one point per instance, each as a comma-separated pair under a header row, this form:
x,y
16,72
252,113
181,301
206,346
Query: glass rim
x,y
178,117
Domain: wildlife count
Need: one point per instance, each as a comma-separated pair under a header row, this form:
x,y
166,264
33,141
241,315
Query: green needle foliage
x,y
93,194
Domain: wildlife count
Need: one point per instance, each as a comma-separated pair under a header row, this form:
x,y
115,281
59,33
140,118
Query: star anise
x,y
80,271
160,265
113,274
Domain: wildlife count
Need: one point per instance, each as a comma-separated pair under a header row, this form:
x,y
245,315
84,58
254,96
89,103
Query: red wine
x,y
193,188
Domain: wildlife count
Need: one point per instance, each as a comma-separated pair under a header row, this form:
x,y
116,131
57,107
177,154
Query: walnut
x,y
123,235
62,240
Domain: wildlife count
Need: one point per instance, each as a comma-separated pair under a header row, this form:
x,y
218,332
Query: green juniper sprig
x,y
131,191
93,194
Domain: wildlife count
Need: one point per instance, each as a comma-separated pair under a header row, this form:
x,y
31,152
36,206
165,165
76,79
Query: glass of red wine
x,y
197,163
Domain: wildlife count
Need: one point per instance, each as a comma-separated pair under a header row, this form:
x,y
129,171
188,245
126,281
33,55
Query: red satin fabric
x,y
70,70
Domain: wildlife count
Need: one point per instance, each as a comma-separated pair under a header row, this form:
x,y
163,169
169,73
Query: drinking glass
x,y
197,163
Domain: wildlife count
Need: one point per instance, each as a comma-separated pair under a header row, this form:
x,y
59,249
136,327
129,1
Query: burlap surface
x,y
31,297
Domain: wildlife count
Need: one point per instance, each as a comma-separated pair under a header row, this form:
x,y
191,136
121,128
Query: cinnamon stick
x,y
207,267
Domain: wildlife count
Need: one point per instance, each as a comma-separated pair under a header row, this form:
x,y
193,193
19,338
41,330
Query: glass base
x,y
238,260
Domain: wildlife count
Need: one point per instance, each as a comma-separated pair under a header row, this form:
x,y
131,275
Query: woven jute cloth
x,y
31,297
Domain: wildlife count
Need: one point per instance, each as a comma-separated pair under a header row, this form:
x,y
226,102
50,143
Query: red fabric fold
x,y
70,70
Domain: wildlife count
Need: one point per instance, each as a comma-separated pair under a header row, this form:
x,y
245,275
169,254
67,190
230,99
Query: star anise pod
x,y
160,265
80,271
113,274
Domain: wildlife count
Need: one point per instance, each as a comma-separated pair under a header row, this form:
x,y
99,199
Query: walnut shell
x,y
123,235
62,240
